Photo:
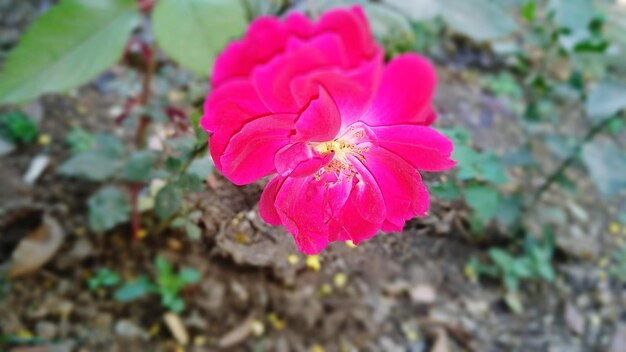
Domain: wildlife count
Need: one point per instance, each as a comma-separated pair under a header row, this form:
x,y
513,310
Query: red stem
x,y
135,218
140,133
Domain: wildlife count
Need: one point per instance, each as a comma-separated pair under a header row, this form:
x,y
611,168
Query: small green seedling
x,y
17,127
104,277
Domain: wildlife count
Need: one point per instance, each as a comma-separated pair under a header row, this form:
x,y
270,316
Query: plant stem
x,y
593,131
140,133
135,215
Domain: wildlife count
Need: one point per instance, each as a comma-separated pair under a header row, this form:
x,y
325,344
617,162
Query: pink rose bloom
x,y
344,133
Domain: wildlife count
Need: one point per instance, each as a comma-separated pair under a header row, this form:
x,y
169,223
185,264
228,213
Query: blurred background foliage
x,y
551,63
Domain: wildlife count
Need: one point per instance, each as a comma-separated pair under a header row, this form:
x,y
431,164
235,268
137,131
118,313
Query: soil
x,y
397,292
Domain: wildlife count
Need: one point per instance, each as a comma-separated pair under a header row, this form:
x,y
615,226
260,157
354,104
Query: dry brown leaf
x,y
441,341
238,334
177,328
36,248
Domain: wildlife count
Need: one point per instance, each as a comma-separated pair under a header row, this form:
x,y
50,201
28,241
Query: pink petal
x,y
298,160
273,80
320,121
250,153
265,37
401,185
351,90
354,30
226,110
267,210
423,147
299,24
404,94
363,212
299,205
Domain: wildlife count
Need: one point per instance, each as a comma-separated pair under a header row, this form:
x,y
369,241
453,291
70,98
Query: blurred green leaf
x,y
606,100
90,165
190,182
448,190
201,167
133,290
528,10
190,275
483,200
168,201
139,166
417,10
80,140
193,231
66,47
107,208
574,15
17,127
607,165
109,145
481,20
192,32
391,28
202,136
104,277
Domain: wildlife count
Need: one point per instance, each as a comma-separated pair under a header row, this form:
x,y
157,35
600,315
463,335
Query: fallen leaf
x,y
441,341
177,328
36,248
575,320
238,334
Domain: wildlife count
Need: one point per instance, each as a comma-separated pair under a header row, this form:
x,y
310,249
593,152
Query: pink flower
x,y
344,134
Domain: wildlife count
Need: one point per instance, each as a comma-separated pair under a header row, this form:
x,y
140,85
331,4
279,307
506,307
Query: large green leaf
x,y
607,165
605,100
66,47
573,15
417,10
192,32
481,20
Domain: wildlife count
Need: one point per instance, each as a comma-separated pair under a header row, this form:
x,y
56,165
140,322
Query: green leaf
x,y
168,201
17,127
66,47
192,32
80,140
528,10
132,290
514,303
606,100
193,231
202,136
483,200
574,15
190,275
447,189
90,165
390,27
607,165
107,208
417,10
502,259
481,20
109,145
509,210
190,182
201,167
104,277
139,166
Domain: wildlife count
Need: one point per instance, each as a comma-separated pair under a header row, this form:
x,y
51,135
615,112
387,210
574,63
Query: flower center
x,y
354,142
